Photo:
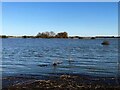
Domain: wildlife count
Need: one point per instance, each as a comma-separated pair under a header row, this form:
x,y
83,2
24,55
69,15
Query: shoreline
x,y
61,82
69,37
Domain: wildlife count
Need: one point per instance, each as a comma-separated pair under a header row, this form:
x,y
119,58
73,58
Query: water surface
x,y
75,56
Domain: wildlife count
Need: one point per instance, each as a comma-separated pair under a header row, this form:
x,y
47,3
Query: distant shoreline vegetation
x,y
52,34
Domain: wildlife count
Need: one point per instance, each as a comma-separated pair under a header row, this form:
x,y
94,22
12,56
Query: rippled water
x,y
76,56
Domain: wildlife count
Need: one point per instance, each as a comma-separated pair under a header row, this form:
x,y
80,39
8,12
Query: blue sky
x,y
83,18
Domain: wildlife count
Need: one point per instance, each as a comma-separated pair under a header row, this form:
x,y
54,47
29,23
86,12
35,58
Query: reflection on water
x,y
36,57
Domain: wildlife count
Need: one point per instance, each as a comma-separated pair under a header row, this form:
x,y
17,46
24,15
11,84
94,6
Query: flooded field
x,y
36,57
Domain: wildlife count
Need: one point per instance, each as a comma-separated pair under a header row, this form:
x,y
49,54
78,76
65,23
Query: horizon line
x,y
60,32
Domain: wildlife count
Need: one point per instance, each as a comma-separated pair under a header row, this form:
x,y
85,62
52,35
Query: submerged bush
x,y
105,43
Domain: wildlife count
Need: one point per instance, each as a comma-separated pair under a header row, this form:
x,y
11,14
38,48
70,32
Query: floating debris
x,y
55,63
43,65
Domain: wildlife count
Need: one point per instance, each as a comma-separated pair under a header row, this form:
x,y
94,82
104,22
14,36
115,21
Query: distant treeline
x,y
3,36
52,34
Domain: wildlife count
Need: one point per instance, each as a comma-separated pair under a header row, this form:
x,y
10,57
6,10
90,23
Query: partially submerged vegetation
x,y
105,43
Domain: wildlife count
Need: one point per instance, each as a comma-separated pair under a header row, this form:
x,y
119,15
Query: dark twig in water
x,y
54,64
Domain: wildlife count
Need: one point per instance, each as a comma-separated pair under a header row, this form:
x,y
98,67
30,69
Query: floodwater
x,y
73,56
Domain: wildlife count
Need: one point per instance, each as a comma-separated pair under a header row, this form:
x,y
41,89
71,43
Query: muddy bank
x,y
64,82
